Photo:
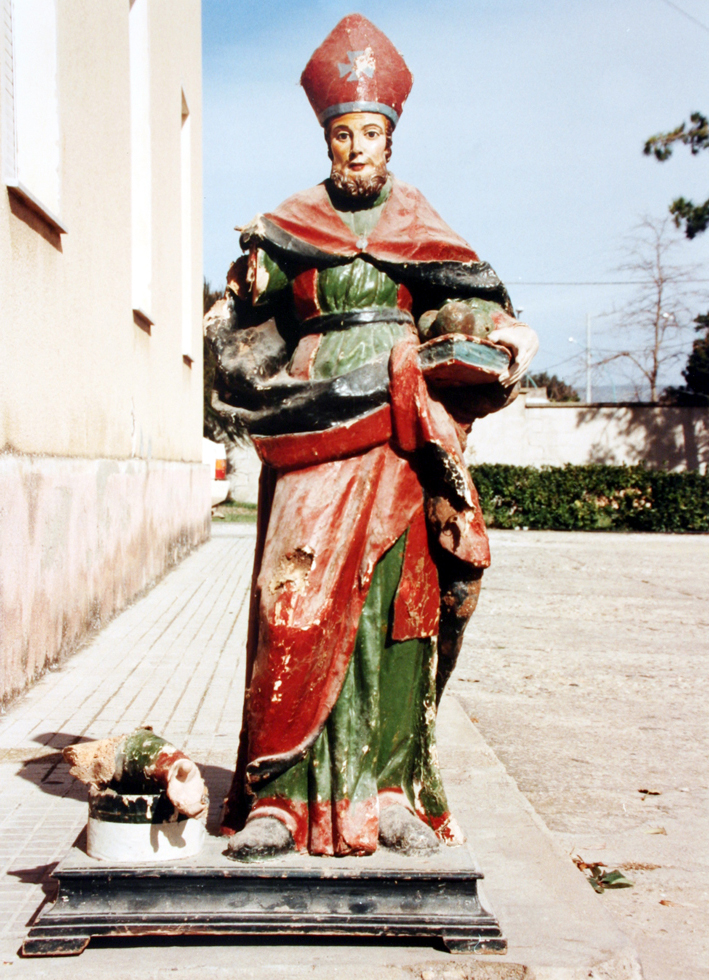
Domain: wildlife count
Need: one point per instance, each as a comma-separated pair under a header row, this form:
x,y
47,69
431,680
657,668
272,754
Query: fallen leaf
x,y
679,905
599,879
584,865
615,879
655,830
649,792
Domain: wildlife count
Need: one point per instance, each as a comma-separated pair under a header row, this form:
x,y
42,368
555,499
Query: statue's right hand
x,y
186,788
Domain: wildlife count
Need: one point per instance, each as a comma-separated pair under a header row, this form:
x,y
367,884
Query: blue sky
x,y
524,129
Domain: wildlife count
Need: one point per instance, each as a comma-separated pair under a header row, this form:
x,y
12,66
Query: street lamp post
x,y
589,391
589,388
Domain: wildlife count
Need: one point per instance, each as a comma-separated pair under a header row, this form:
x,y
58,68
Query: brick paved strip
x,y
174,656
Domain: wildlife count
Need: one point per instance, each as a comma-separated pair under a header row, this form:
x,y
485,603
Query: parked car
x,y
214,456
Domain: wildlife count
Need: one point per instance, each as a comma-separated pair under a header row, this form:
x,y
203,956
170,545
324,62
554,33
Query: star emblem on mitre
x,y
360,63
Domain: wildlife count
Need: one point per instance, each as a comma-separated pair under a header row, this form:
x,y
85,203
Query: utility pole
x,y
589,390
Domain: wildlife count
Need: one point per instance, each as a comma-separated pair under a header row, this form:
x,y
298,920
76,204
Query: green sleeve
x,y
270,278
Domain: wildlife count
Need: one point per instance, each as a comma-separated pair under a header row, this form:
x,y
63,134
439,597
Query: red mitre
x,y
356,69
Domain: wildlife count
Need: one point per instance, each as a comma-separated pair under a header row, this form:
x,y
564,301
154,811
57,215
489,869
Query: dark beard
x,y
357,187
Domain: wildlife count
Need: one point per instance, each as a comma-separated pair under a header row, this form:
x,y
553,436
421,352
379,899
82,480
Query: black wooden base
x,y
383,895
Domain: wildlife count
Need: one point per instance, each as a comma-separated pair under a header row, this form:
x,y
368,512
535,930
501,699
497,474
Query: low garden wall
x,y
529,433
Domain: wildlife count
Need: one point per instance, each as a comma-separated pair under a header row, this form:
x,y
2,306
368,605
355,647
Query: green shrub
x,y
235,511
592,498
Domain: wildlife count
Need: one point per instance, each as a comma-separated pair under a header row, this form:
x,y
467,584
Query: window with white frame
x,y
141,163
186,227
31,150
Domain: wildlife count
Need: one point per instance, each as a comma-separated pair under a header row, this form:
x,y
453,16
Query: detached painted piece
x,y
358,340
147,800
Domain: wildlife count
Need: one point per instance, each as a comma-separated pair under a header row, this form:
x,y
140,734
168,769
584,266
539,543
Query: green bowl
x,y
458,360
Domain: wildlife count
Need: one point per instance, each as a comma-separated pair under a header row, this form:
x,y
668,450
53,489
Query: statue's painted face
x,y
358,142
359,147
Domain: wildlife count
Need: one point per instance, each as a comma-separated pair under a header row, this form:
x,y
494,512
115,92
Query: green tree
x,y
209,296
696,373
557,390
694,216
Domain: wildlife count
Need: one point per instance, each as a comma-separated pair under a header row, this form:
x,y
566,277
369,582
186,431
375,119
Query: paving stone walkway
x,y
140,669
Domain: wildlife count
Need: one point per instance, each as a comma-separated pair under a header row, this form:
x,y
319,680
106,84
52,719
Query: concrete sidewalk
x,y
586,670
175,660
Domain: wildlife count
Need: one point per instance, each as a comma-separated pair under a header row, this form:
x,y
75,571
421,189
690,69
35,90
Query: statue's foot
x,y
261,837
402,830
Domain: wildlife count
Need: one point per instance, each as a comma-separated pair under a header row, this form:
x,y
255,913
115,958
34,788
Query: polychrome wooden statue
x,y
360,338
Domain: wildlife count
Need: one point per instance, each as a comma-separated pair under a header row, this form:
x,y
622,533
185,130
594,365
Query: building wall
x,y
67,331
529,434
100,411
79,539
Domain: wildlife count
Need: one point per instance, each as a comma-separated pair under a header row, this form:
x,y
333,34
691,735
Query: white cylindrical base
x,y
133,842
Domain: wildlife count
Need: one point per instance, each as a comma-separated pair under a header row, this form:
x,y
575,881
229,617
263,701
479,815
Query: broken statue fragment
x,y
147,799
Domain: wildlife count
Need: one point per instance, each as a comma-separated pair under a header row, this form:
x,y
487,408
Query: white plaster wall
x,y
554,434
244,469
79,377
79,539
101,482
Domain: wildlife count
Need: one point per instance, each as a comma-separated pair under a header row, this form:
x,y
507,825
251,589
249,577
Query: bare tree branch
x,y
658,315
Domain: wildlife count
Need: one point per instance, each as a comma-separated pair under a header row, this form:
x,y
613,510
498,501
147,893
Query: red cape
x,y
409,230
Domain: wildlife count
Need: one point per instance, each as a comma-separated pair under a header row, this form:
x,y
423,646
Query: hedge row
x,y
592,498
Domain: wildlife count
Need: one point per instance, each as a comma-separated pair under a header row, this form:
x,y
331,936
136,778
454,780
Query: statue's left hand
x,y
523,344
186,789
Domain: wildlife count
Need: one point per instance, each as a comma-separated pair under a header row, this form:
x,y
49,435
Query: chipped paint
x,y
293,570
